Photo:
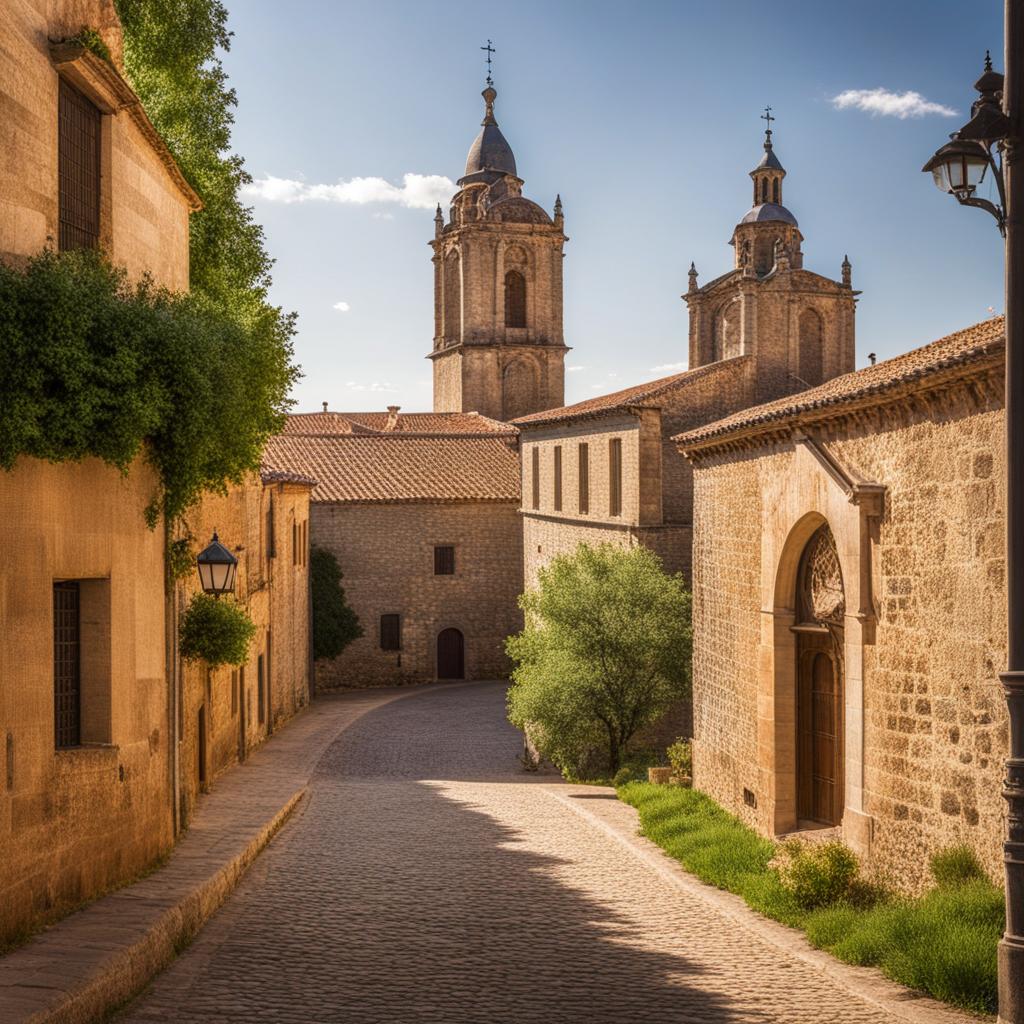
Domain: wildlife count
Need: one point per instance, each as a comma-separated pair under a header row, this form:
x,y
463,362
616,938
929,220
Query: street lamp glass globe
x,y
217,568
958,167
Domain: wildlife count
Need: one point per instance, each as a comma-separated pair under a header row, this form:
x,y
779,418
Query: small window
x,y
444,560
515,299
535,468
584,465
271,543
295,543
67,658
78,169
261,694
390,632
234,691
775,190
558,478
615,476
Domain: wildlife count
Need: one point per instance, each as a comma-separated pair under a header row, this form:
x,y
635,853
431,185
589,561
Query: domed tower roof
x,y
490,157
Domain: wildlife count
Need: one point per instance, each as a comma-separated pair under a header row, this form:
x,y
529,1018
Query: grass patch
x,y
943,943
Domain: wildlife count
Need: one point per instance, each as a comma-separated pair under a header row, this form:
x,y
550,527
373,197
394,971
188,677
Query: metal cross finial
x,y
988,61
490,49
767,116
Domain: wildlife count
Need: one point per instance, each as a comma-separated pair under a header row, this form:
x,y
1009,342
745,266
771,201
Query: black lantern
x,y
217,568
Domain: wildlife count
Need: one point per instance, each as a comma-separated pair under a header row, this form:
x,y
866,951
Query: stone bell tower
x,y
798,325
498,346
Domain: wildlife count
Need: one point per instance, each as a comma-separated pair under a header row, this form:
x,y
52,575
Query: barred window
x,y
67,659
78,169
444,560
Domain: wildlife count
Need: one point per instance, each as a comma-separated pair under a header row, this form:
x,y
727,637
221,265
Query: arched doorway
x,y
451,655
820,607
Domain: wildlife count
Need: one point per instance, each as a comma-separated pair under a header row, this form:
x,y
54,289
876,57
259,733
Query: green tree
x,y
335,624
605,651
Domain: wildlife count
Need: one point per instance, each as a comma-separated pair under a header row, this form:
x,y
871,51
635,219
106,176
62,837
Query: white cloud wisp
x,y
885,103
342,307
417,191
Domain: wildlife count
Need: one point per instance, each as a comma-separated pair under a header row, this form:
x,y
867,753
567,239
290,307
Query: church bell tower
x,y
498,345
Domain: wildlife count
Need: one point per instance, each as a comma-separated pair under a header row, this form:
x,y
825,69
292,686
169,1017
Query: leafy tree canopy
x,y
335,624
605,651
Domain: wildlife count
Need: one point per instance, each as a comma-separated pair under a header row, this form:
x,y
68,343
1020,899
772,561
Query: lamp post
x,y
216,568
991,142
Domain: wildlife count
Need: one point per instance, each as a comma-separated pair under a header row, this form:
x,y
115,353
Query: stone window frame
x,y
813,491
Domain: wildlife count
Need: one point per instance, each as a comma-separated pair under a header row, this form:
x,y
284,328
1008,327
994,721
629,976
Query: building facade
x,y
849,607
498,343
421,512
606,469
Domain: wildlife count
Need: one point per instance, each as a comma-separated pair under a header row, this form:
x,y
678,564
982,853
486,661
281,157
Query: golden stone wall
x,y
256,522
74,822
144,215
925,725
386,552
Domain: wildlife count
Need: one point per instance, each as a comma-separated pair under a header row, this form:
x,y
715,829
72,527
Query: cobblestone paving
x,y
428,879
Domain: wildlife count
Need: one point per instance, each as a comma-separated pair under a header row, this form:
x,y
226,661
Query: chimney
x,y
325,407
392,422
872,357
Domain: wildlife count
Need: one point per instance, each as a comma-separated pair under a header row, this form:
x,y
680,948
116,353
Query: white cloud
x,y
342,307
574,369
669,368
418,191
376,385
890,104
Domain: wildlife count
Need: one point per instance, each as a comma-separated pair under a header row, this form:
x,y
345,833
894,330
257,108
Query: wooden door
x,y
450,655
819,707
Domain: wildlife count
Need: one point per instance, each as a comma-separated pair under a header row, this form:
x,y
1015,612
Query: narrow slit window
x,y
535,469
390,632
558,478
67,657
615,476
584,464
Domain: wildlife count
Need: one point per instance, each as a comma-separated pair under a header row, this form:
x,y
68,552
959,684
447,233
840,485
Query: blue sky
x,y
644,116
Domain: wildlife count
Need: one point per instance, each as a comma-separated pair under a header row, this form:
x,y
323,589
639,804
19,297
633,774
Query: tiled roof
x,y
448,423
639,395
396,467
871,384
284,476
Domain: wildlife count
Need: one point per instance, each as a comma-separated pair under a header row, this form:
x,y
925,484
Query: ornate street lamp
x,y
992,142
216,568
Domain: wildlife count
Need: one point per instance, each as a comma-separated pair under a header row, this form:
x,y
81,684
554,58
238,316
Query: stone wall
x,y
386,552
925,725
257,522
144,215
76,821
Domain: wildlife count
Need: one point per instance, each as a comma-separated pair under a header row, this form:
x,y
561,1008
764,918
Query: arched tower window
x,y
764,190
726,338
452,298
810,347
515,299
775,190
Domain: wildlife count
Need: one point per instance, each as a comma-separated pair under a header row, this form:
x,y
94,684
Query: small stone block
x,y
659,776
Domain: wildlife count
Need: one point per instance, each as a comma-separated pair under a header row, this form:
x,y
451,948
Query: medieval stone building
x,y
849,606
498,345
105,736
606,469
421,512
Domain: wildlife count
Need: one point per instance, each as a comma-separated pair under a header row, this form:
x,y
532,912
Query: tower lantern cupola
x,y
768,174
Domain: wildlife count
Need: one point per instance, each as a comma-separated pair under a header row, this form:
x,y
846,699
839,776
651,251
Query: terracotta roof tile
x,y
447,423
961,348
396,467
639,395
284,476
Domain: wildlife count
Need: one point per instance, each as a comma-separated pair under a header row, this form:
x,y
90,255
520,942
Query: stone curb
x,y
126,970
863,983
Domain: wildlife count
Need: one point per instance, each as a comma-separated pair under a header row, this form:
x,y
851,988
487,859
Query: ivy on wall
x,y
91,364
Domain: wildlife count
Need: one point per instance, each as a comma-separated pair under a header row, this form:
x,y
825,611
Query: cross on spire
x,y
490,49
767,117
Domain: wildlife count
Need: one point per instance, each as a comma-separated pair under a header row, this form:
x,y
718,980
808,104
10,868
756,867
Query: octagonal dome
x,y
768,212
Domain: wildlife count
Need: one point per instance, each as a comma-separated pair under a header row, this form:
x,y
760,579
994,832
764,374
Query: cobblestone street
x,y
428,879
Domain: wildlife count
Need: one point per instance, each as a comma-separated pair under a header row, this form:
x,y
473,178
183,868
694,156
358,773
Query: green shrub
x,y
622,776
215,631
680,758
955,866
335,624
817,874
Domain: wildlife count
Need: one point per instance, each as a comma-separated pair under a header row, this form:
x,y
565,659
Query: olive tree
x,y
605,651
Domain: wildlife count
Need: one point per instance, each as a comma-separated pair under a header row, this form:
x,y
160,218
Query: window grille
x,y
67,682
78,170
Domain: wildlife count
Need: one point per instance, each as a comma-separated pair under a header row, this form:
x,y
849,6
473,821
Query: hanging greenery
x,y
215,631
91,364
